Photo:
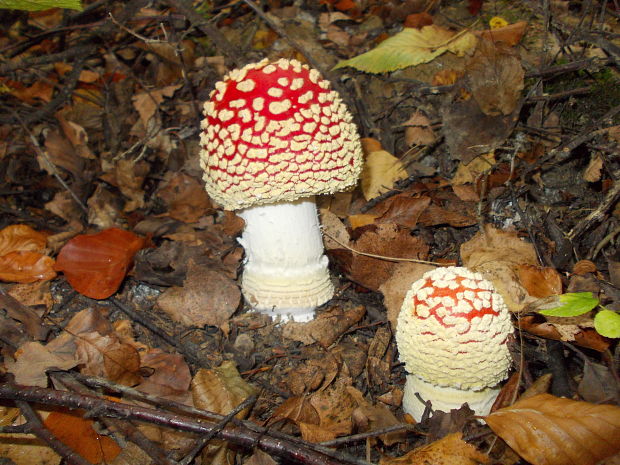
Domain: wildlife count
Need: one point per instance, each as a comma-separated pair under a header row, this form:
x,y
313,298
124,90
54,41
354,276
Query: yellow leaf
x,y
381,171
411,47
549,430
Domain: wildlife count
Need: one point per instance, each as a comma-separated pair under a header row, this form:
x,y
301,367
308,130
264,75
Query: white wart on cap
x,y
274,135
452,335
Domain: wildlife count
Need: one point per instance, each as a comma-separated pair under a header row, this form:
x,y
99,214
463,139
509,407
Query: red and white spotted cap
x,y
453,330
276,132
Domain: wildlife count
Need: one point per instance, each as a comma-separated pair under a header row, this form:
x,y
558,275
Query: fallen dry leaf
x,y
387,240
186,198
450,450
549,430
335,408
539,281
371,417
170,375
396,287
96,264
326,327
78,433
496,78
146,103
21,238
31,362
380,173
26,267
31,450
497,254
510,35
207,297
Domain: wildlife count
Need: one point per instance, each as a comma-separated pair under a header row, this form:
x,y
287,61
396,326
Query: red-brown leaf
x,y
96,264
26,267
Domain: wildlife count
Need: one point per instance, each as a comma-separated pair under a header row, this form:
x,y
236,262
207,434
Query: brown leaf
x,y
106,356
450,450
584,267
26,267
510,35
385,240
296,409
78,433
170,374
497,254
369,417
496,78
207,297
32,360
548,430
21,238
326,327
146,103
538,281
186,198
405,210
221,389
335,407
96,264
129,177
395,288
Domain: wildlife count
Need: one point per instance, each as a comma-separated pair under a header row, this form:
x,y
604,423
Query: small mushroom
x,y
274,135
452,335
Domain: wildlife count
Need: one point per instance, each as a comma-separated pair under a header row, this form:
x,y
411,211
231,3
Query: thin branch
x,y
240,436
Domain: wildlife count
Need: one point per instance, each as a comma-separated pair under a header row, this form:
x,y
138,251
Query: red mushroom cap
x,y
453,330
276,132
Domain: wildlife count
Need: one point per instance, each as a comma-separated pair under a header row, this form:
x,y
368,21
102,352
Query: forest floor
x,y
490,134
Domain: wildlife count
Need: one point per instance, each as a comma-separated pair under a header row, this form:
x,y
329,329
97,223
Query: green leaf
x,y
573,304
411,47
36,5
607,323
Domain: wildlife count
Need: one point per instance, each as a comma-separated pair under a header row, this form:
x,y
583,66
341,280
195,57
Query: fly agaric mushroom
x,y
275,135
452,335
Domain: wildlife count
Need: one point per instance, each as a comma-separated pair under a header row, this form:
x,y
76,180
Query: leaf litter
x,y
478,153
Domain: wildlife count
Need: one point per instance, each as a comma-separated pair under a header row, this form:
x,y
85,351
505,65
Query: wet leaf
x,y
96,264
450,450
411,47
26,267
78,433
548,430
21,238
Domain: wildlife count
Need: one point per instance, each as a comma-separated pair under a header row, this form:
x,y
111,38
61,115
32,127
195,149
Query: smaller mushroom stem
x,y
285,269
445,398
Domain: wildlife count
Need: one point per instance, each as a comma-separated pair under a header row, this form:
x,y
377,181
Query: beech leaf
x,y
572,304
607,323
96,264
549,430
411,47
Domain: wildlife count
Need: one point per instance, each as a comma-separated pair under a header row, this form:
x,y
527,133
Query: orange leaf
x,y
19,237
78,433
539,282
96,264
26,267
549,430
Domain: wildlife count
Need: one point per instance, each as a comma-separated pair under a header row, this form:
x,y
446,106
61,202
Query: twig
x,y
597,215
371,434
37,428
242,437
202,442
174,342
214,417
199,22
382,257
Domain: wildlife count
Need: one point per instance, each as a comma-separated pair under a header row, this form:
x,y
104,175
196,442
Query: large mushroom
x,y
274,135
452,335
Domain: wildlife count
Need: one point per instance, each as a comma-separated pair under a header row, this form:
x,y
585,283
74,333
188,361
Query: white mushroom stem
x,y
285,271
445,398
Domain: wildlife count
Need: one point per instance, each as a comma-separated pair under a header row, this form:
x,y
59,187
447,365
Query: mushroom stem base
x,y
285,269
445,398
